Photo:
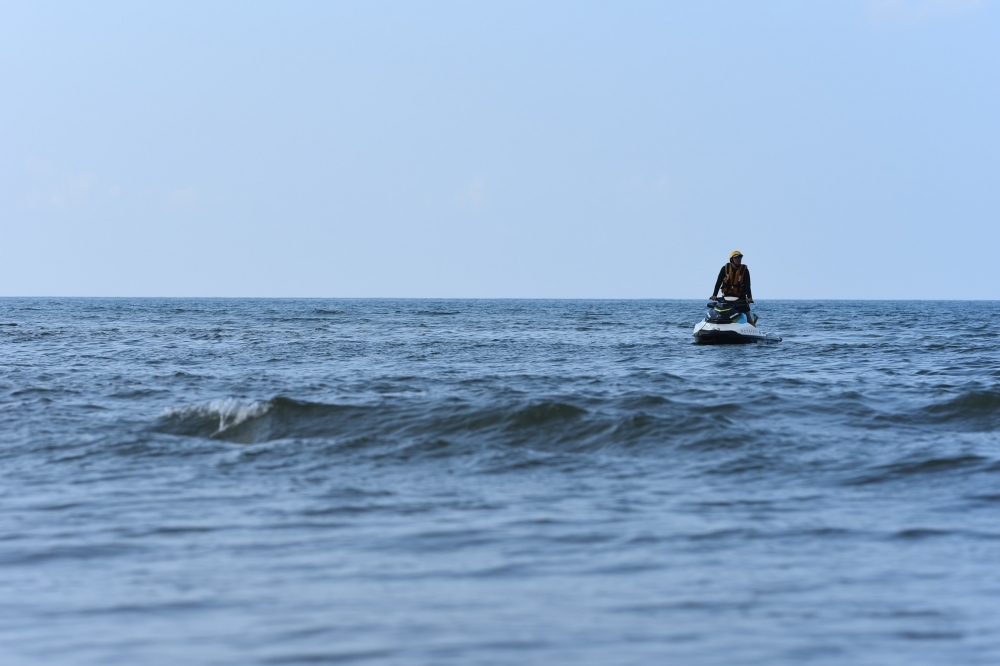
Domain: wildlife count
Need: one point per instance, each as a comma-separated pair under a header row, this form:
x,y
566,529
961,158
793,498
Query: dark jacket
x,y
734,281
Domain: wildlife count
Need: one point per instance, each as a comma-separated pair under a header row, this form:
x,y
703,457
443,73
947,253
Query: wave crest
x,y
213,418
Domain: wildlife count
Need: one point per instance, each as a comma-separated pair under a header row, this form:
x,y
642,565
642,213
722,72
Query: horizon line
x,y
477,298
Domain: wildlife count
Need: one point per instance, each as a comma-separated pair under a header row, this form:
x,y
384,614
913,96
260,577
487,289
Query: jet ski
x,y
726,325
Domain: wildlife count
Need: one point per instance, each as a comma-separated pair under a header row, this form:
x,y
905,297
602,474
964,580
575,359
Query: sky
x,y
849,149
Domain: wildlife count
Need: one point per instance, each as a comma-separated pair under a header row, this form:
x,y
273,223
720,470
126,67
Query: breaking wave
x,y
212,419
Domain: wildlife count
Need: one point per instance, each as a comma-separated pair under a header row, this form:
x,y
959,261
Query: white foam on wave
x,y
230,412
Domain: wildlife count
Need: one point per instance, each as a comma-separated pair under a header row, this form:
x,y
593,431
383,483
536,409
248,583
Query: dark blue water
x,y
497,482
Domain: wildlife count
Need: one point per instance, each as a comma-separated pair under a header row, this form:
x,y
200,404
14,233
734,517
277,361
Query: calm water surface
x,y
497,482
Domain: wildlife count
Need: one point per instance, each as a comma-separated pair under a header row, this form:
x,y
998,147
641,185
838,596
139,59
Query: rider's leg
x,y
751,317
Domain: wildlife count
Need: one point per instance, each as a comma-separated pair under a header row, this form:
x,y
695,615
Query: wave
x,y
970,411
733,437
285,418
212,419
543,424
977,409
920,467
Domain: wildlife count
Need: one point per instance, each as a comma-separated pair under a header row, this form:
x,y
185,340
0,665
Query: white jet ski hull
x,y
708,333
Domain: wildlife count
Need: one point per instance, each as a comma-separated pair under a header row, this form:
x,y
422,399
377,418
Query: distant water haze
x,y
514,149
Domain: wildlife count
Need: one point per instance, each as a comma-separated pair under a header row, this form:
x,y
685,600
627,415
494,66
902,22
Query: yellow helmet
x,y
735,253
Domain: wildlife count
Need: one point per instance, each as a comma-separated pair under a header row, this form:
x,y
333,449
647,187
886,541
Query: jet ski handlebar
x,y
729,300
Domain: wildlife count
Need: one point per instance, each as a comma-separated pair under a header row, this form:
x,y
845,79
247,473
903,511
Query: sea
x,y
281,481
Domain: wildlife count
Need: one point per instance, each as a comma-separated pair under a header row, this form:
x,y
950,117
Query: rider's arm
x,y
749,292
718,281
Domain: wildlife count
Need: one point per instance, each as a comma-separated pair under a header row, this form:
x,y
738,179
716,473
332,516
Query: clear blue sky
x,y
500,149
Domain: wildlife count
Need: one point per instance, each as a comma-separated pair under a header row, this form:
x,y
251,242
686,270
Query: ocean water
x,y
497,482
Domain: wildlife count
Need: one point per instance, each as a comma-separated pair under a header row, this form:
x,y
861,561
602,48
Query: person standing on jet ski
x,y
734,279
